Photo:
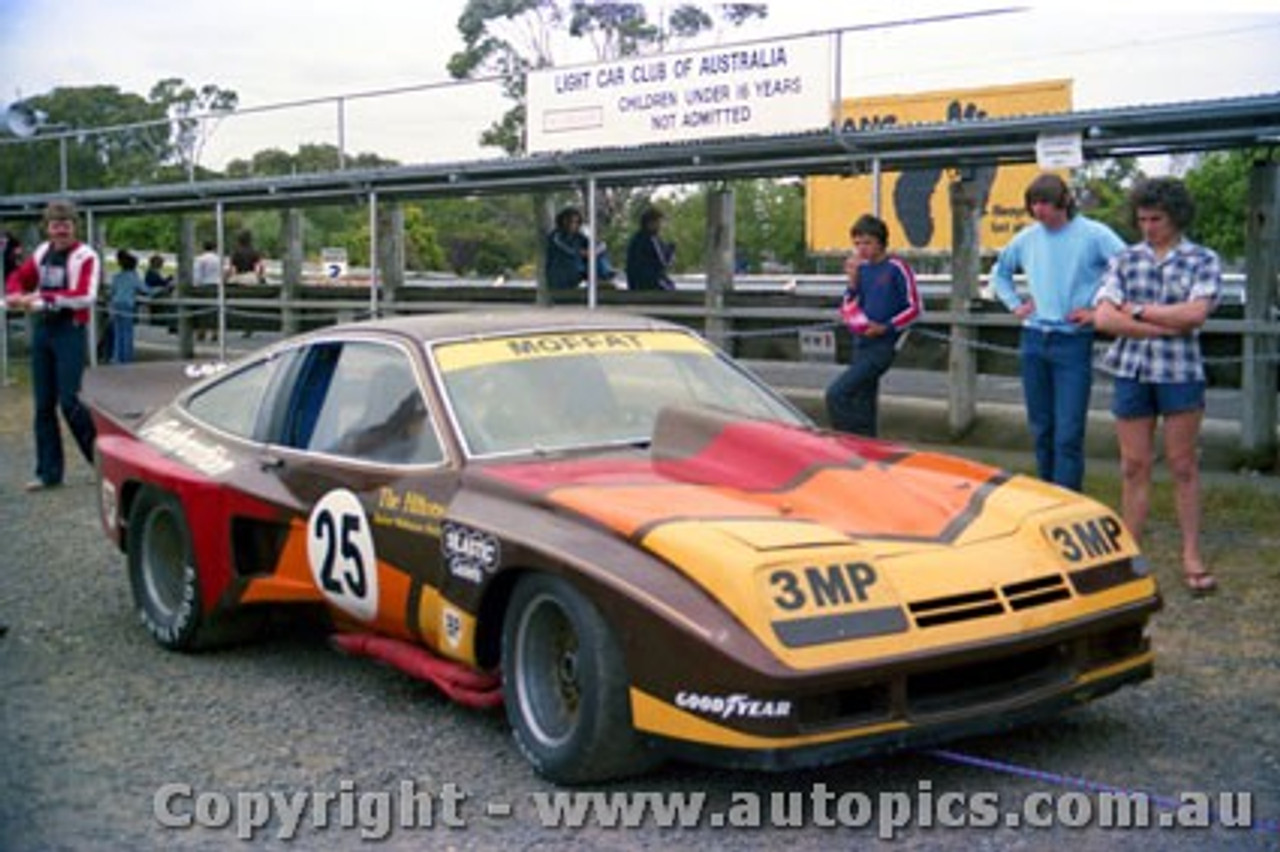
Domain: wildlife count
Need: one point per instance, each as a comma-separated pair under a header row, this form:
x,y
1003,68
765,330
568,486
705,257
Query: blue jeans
x,y
122,335
1057,377
57,365
853,398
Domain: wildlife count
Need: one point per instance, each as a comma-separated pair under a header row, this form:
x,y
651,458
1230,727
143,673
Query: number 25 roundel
x,y
340,550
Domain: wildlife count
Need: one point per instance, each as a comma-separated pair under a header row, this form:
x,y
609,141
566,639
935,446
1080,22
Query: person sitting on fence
x,y
567,251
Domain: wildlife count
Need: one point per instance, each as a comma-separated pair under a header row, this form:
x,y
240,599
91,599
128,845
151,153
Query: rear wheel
x,y
566,686
162,569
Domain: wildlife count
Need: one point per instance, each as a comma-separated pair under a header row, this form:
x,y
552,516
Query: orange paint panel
x,y
290,581
628,509
895,501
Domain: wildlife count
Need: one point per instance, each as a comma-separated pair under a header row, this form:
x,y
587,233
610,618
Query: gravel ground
x,y
96,719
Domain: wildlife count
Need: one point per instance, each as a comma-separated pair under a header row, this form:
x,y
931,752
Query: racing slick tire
x,y
162,575
565,686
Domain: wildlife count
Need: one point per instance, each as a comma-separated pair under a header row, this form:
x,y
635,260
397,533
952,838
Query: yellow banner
x,y
459,356
914,203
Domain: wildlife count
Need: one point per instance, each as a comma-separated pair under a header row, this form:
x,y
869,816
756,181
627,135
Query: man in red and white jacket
x,y
57,285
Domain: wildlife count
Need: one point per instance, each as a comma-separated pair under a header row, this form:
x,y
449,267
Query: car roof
x,y
451,326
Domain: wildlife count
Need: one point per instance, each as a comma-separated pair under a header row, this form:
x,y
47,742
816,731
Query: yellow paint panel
x,y
916,204
776,535
473,353
446,627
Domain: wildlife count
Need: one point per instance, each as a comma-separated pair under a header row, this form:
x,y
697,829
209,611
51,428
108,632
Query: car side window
x,y
233,402
362,400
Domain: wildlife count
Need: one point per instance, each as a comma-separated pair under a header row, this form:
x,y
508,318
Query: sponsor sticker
x,y
473,353
737,705
451,627
186,445
469,553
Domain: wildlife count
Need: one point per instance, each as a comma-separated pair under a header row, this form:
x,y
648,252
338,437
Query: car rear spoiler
x,y
130,393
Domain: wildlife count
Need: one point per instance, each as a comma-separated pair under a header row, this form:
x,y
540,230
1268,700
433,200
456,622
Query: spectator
x,y
648,257
58,285
246,265
568,250
11,248
1063,255
125,287
881,300
206,273
155,279
1154,298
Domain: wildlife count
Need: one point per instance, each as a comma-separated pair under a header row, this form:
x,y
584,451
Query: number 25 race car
x,y
603,523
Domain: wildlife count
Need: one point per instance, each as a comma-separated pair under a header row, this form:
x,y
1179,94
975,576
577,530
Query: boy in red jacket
x,y
879,303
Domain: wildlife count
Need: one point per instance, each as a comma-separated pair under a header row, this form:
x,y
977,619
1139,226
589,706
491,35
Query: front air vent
x,y
1038,592
954,608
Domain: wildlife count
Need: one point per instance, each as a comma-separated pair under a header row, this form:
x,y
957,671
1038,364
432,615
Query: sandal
x,y
1200,583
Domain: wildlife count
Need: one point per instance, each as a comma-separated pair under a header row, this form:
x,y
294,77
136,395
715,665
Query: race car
x,y
604,523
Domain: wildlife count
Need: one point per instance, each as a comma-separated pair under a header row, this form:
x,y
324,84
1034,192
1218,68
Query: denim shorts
x,y
1134,399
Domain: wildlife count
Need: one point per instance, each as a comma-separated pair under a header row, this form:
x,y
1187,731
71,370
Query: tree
x,y
508,38
1102,191
92,158
195,115
1220,187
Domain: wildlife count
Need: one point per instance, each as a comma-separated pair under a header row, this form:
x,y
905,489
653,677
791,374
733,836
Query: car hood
x,y
831,548
773,486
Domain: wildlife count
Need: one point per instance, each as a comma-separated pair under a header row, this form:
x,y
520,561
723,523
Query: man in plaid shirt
x,y
1154,298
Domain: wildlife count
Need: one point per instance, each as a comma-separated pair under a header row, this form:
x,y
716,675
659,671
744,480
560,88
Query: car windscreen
x,y
556,391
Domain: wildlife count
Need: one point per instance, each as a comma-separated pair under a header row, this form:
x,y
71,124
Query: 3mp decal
x,y
340,550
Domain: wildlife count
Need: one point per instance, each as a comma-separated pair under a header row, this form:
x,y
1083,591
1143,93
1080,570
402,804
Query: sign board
x,y
334,263
915,203
818,344
1059,150
765,87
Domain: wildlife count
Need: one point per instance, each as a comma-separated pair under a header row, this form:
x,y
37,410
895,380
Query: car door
x,y
360,466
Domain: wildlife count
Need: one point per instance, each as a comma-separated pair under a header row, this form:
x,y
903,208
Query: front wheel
x,y
565,685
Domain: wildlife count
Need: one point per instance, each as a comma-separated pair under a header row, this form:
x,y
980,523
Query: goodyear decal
x,y
1088,541
737,705
458,356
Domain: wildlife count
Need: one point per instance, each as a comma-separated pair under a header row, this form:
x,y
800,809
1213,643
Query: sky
x,y
279,51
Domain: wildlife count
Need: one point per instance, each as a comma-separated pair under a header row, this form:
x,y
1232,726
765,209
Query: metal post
x,y
838,89
718,257
222,286
342,134
373,254
1258,416
591,244
962,360
62,162
876,175
4,345
93,309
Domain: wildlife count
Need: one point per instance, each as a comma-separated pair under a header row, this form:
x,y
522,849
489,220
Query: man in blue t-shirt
x,y
1063,255
880,301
